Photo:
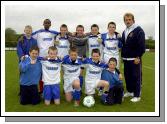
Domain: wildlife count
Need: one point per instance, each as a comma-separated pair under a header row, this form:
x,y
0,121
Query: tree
x,y
150,38
150,43
10,35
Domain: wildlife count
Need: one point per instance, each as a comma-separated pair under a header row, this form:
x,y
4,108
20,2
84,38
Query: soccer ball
x,y
88,101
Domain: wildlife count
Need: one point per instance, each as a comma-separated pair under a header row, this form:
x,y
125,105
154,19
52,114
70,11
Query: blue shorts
x,y
51,92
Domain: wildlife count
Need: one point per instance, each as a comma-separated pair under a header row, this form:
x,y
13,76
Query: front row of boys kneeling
x,y
98,76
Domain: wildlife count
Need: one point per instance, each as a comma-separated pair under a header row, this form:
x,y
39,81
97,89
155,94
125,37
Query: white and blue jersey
x,y
111,47
51,78
93,70
63,46
93,74
45,39
51,71
71,71
93,43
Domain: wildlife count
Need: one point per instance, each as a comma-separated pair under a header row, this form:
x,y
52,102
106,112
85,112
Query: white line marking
x,y
148,67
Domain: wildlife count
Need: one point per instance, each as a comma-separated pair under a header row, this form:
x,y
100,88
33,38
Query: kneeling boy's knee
x,y
106,83
68,99
77,85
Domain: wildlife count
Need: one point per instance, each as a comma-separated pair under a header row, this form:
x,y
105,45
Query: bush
x,y
11,44
150,44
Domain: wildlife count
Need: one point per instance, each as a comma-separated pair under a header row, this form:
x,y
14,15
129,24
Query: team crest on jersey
x,y
131,34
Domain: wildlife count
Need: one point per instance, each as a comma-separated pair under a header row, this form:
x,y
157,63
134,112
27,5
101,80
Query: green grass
x,y
147,103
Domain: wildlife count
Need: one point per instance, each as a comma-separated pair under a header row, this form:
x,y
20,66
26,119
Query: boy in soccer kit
x,y
30,73
94,69
94,39
71,68
62,42
115,94
80,42
45,39
111,43
51,77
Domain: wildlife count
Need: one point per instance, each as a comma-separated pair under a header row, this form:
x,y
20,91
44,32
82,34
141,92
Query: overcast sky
x,y
17,16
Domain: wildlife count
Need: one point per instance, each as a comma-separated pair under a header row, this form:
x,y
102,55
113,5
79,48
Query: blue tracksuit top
x,y
30,73
134,46
112,78
23,48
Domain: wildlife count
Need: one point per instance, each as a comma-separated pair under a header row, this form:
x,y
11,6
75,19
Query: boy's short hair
x,y
34,48
73,49
47,20
28,26
95,51
80,26
113,60
95,25
63,26
129,15
52,48
113,23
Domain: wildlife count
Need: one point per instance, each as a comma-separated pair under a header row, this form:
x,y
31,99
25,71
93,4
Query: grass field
x,y
147,103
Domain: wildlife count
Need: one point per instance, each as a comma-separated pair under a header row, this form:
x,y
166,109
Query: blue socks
x,y
76,94
81,81
103,98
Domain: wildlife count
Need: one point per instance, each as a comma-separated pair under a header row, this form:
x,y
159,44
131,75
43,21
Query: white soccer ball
x,y
88,101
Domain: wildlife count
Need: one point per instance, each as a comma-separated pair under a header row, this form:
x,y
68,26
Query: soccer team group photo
x,y
76,71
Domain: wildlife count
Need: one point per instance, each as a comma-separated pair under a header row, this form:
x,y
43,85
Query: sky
x,y
18,16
